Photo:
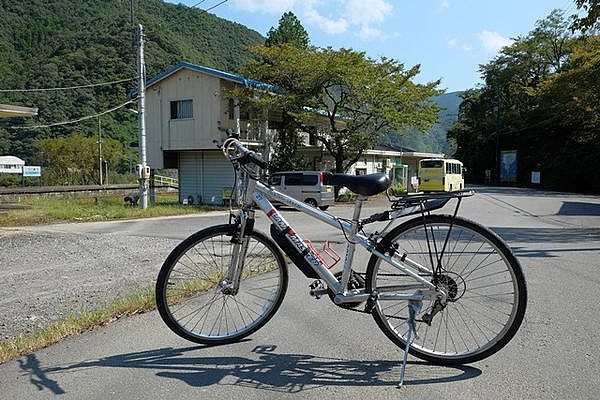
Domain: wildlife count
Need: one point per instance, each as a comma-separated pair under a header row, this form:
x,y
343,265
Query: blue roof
x,y
214,72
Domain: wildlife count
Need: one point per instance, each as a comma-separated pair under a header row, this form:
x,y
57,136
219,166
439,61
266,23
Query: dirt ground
x,y
47,275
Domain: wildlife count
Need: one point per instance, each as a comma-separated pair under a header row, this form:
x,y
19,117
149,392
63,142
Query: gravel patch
x,y
46,274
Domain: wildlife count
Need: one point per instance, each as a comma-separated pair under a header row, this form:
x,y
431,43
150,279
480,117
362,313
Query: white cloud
x,y
493,42
330,16
362,12
444,4
326,24
369,33
368,15
457,44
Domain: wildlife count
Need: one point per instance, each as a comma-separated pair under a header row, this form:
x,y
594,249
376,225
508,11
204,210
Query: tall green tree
x,y
541,99
346,99
569,126
289,31
505,113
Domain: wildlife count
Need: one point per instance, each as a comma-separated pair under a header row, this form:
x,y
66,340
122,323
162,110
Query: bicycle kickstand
x,y
414,307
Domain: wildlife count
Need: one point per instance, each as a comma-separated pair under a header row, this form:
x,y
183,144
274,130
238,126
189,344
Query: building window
x,y
182,109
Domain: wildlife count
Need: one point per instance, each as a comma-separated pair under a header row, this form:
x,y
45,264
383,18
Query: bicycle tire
x,y
194,306
485,282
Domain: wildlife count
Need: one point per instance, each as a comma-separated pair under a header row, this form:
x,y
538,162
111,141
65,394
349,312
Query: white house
x,y
11,165
188,110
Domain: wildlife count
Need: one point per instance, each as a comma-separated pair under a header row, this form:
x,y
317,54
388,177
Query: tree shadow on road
x,y
287,373
555,241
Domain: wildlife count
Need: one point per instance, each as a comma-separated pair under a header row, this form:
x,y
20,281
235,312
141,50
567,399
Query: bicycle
x,y
444,288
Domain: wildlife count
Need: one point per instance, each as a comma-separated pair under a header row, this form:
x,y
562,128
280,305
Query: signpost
x,y
32,170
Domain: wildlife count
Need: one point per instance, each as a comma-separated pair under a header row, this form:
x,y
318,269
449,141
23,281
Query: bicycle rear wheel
x,y
193,300
486,289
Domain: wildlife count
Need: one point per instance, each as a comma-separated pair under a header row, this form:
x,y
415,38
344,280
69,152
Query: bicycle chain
x,y
363,311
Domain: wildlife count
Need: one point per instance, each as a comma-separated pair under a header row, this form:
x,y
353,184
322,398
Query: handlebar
x,y
235,151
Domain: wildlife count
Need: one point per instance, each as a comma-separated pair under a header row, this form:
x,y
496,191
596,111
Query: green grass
x,y
34,211
76,323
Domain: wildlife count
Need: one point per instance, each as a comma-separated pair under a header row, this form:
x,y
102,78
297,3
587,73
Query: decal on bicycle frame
x,y
277,219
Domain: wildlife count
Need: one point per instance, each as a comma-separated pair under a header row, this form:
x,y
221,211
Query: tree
x,y
345,99
541,99
290,31
75,159
572,99
590,19
505,113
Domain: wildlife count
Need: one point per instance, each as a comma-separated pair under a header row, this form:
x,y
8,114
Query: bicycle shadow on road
x,y
288,373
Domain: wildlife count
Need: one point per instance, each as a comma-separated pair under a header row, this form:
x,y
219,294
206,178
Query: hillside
x,y
434,140
72,43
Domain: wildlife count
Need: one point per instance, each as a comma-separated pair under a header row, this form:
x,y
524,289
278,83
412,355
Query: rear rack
x,y
412,199
417,203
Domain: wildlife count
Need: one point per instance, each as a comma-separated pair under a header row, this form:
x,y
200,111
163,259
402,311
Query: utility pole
x,y
100,150
498,126
143,170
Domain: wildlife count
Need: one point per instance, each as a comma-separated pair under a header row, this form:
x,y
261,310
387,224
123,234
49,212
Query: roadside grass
x,y
35,211
76,323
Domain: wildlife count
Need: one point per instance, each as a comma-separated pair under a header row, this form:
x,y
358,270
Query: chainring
x,y
356,281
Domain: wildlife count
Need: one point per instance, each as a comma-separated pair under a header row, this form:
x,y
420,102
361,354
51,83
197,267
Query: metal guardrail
x,y
7,193
166,180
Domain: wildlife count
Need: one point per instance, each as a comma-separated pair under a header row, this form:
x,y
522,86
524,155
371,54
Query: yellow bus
x,y
441,175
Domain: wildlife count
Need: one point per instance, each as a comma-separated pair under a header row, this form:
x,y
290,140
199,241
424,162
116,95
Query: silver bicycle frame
x,y
260,194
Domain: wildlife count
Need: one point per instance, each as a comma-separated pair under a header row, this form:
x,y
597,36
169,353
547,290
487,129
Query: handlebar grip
x,y
245,155
257,159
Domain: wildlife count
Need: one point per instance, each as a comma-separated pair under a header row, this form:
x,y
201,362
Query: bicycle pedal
x,y
317,289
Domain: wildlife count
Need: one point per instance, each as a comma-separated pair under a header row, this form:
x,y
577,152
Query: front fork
x,y
243,224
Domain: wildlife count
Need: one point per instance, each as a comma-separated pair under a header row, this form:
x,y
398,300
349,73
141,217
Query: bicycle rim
x,y
485,284
190,295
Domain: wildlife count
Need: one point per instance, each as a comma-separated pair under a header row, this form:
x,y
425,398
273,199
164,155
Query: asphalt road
x,y
312,349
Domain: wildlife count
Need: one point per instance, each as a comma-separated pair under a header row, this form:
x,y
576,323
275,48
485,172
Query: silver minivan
x,y
307,186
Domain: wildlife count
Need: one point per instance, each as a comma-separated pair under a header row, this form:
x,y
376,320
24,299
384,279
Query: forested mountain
x,y
70,43
434,140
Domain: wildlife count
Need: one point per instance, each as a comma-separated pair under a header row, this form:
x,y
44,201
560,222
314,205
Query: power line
x,y
216,5
198,3
209,8
75,120
68,87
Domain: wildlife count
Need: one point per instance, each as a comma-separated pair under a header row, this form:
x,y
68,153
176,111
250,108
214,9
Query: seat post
x,y
351,246
357,210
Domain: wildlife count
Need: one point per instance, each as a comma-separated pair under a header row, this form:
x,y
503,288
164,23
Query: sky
x,y
449,39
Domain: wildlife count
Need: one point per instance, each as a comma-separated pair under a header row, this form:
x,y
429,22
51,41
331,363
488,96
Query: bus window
x,y
431,163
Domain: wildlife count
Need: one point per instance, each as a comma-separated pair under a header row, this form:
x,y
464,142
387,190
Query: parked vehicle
x,y
441,175
307,186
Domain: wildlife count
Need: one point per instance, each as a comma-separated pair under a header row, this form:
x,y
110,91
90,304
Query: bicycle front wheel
x,y
486,289
193,299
